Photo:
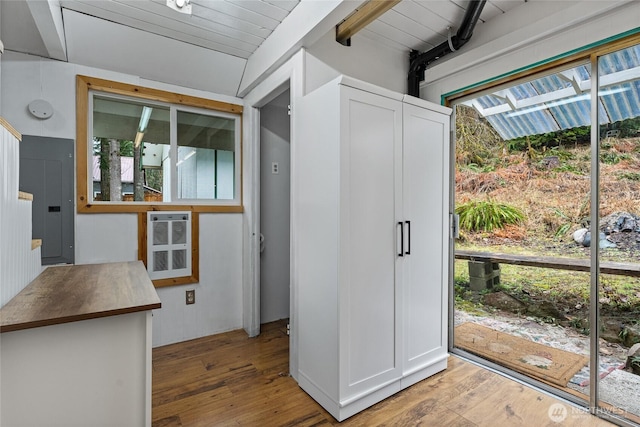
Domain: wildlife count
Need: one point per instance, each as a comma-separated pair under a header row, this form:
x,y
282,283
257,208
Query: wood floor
x,y
232,380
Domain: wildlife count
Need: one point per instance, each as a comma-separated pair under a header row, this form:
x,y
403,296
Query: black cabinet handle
x,y
401,253
408,252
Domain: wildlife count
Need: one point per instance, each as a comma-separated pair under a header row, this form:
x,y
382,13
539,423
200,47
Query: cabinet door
x,y
370,176
426,201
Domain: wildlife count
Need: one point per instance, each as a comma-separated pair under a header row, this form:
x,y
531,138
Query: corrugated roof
x,y
562,100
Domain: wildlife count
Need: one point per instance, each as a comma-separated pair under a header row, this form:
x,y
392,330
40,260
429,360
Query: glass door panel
x,y
522,193
619,229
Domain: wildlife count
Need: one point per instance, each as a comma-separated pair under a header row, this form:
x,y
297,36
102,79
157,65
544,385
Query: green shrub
x,y
487,215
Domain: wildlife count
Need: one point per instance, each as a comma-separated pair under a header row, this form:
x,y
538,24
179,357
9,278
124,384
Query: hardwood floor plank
x,y
232,380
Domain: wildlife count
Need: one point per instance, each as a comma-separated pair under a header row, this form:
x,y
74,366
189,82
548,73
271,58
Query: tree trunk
x,y
138,183
115,171
105,188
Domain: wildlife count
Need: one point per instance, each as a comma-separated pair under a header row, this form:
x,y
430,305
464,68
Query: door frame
x,y
291,73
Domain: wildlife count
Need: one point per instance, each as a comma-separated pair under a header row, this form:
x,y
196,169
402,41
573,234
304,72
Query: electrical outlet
x,y
191,296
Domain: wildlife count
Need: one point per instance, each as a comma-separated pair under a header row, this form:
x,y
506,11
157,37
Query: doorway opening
x,y
275,207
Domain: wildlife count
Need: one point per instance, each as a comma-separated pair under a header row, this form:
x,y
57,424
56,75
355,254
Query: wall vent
x,y
168,244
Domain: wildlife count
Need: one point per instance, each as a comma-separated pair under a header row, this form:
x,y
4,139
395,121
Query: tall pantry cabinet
x,y
372,234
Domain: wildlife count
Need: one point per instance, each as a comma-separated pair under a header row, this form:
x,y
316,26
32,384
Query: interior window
x,y
147,149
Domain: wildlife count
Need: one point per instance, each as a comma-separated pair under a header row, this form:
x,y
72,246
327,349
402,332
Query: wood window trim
x,y
83,202
195,252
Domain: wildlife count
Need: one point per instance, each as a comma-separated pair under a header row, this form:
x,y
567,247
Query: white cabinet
x,y
372,235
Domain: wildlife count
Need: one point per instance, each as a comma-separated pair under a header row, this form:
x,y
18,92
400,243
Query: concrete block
x,y
480,269
480,284
483,275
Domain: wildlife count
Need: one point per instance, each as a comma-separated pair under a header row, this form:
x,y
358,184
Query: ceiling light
x,y
142,126
144,119
182,6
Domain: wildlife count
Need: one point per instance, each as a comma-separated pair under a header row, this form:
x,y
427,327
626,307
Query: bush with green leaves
x,y
487,215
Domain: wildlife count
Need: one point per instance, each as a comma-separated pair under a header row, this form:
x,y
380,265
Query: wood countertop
x,y
71,293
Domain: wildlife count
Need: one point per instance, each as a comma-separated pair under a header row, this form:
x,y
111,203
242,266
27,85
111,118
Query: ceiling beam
x,y
363,16
47,15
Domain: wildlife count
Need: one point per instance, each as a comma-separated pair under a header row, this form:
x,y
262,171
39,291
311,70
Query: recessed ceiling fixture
x,y
182,6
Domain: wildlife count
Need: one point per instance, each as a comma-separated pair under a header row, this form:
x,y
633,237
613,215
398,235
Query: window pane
x,y
130,146
206,156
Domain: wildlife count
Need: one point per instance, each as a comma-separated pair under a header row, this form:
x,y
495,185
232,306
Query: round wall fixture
x,y
40,109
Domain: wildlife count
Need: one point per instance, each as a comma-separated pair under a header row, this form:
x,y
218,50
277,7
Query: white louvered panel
x,y
19,264
168,244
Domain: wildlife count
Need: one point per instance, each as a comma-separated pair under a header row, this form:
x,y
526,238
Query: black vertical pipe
x,y
418,61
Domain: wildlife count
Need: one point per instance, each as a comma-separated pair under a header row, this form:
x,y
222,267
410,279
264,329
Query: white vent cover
x,y
168,244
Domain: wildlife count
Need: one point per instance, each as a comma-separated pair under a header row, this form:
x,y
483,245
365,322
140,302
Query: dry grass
x,y
555,199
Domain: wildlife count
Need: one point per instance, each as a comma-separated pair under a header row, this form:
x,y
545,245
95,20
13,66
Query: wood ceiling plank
x,y
416,11
229,21
263,8
447,10
237,12
287,5
153,12
506,5
411,27
91,9
371,35
407,40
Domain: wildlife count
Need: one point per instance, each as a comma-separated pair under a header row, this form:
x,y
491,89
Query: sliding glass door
x,y
547,193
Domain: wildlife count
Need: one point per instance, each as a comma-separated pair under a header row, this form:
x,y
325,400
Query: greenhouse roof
x,y
562,100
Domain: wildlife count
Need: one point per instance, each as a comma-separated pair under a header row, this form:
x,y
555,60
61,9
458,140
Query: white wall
x,y
535,31
364,60
113,237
